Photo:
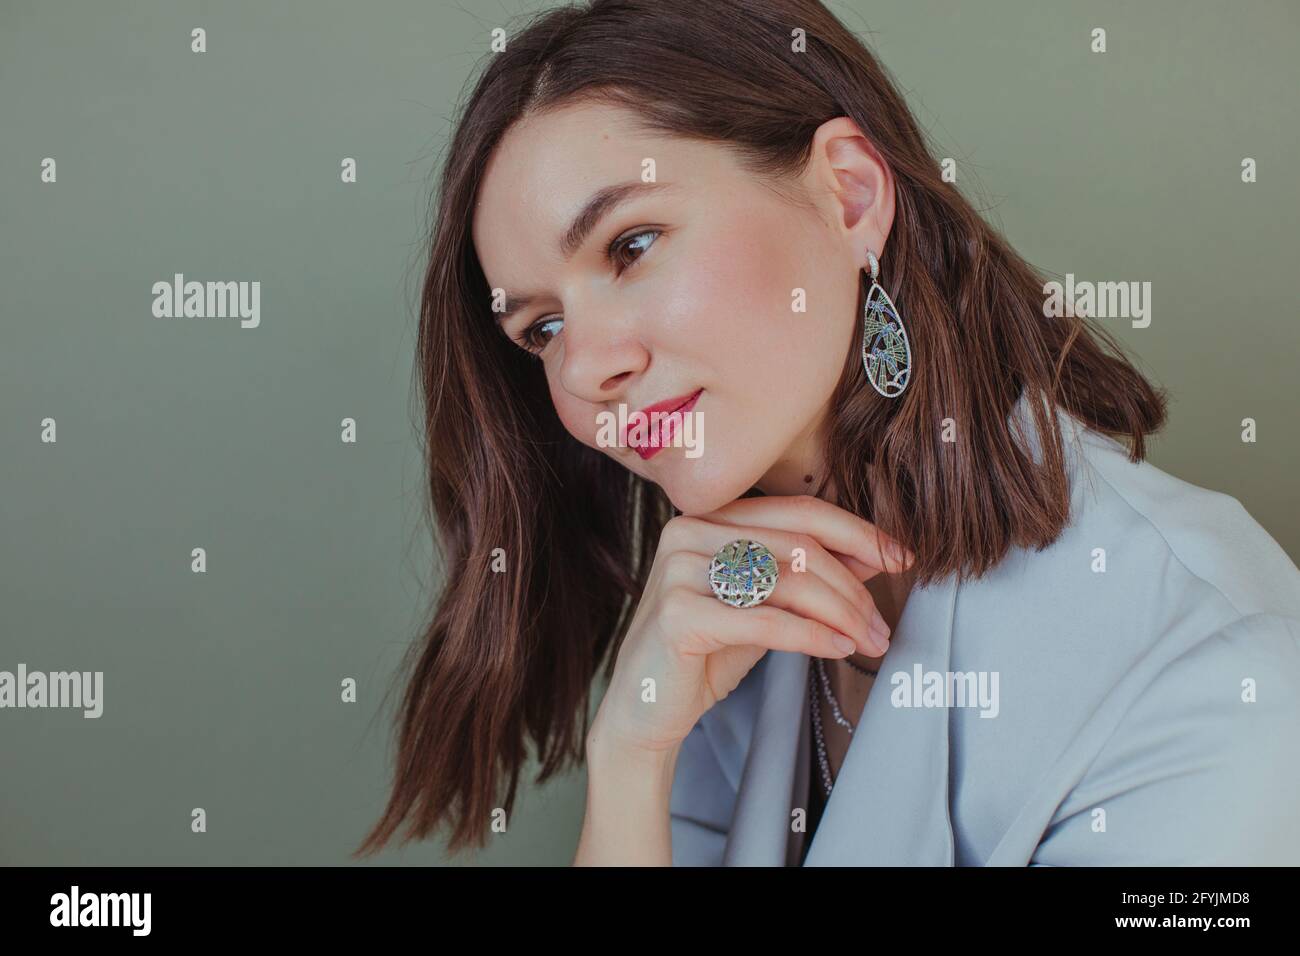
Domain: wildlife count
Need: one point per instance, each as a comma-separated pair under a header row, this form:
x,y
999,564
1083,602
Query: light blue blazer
x,y
1145,714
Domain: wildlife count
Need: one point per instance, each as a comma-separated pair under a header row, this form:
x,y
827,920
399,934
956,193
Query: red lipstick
x,y
661,421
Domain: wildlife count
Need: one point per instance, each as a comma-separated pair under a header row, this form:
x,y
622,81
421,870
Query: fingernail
x,y
900,554
880,631
843,643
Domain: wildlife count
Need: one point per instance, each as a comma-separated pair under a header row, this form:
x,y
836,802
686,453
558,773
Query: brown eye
x,y
636,242
534,339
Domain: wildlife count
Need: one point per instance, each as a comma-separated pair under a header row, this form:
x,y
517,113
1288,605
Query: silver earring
x,y
886,350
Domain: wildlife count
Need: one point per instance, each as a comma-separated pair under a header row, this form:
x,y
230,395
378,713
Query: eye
x,y
534,338
631,241
531,338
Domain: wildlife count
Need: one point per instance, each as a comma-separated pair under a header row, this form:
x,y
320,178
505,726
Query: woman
x,y
724,213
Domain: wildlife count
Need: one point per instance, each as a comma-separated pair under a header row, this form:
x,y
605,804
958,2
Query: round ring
x,y
743,573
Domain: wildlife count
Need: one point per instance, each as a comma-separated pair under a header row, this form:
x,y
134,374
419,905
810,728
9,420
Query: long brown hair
x,y
511,657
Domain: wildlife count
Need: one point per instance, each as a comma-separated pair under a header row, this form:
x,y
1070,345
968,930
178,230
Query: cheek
x,y
713,295
735,306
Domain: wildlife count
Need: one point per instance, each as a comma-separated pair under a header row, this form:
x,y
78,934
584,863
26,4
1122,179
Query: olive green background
x,y
222,689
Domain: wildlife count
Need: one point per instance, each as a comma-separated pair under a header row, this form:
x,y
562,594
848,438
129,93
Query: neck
x,y
800,469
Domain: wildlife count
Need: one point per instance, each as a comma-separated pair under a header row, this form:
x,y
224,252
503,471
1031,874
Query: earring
x,y
886,351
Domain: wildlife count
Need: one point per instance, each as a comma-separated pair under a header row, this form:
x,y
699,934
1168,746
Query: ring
x,y
743,573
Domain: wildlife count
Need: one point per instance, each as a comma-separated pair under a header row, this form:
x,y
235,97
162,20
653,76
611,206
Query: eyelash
x,y
526,339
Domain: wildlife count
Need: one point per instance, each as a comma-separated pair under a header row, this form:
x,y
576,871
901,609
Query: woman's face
x,y
715,286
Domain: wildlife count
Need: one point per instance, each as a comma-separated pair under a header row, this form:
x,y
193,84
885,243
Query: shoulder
x,y
1148,568
1145,557
1152,663
1208,534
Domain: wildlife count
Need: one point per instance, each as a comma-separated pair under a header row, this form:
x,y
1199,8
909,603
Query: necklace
x,y
818,675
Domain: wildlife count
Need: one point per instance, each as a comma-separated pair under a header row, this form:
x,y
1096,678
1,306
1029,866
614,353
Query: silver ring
x,y
743,573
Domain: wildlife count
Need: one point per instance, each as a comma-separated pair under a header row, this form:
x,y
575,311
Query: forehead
x,y
547,166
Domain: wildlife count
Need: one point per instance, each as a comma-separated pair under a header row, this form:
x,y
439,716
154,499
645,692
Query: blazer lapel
x,y
760,824
889,805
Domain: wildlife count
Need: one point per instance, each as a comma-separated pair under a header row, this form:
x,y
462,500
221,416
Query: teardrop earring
x,y
886,351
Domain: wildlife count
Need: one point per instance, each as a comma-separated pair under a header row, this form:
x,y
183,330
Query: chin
x,y
698,491
697,501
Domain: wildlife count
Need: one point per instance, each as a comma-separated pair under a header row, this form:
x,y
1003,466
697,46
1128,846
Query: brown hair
x,y
511,657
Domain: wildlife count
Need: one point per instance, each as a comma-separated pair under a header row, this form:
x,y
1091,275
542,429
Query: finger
x,y
837,529
860,571
703,625
811,595
820,563
700,535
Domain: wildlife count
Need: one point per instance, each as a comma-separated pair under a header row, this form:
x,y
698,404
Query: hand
x,y
697,649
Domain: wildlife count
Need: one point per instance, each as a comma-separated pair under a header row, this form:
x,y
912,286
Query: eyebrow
x,y
601,204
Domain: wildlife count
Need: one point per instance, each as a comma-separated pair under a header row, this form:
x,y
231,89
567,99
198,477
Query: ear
x,y
853,185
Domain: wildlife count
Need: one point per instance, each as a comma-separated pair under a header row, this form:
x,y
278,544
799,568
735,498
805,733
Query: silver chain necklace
x,y
818,675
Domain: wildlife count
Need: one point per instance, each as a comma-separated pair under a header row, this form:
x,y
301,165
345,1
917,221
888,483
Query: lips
x,y
656,439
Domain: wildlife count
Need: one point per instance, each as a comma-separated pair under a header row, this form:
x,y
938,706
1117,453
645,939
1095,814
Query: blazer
x,y
1140,711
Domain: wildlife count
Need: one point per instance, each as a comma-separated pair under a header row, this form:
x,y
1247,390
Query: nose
x,y
600,357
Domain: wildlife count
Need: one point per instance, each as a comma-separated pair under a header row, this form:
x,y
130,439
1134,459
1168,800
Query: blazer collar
x,y
889,805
